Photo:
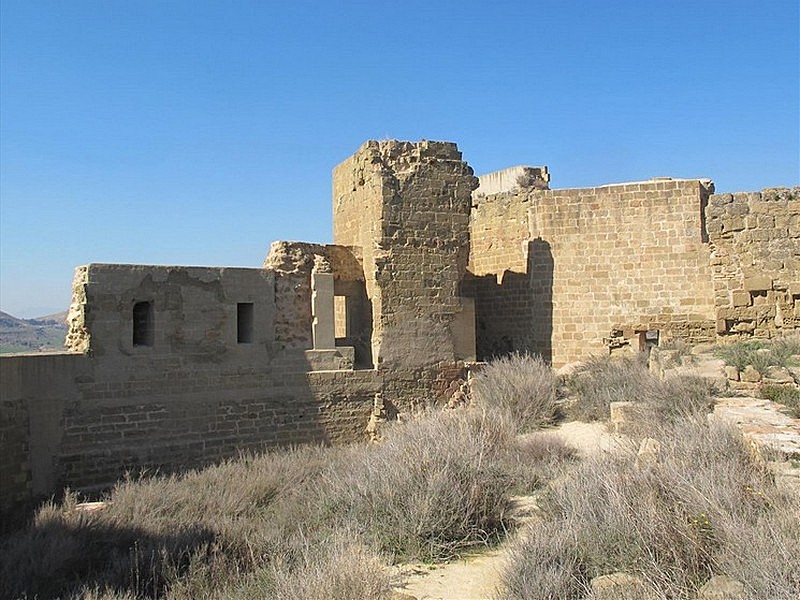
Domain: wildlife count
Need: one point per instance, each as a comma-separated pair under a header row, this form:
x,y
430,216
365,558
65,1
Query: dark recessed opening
x,y
244,322
143,328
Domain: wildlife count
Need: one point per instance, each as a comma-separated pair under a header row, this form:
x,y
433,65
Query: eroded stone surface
x,y
774,435
174,366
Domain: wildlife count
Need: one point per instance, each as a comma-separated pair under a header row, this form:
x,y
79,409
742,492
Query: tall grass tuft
x,y
521,385
431,489
435,486
760,354
601,380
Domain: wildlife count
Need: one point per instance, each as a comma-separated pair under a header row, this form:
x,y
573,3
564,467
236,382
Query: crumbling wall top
x,y
297,257
513,179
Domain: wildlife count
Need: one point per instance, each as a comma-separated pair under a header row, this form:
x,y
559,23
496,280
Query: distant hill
x,y
32,335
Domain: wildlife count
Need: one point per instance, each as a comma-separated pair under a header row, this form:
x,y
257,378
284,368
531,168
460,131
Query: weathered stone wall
x,y
501,278
755,259
597,267
177,367
15,469
293,264
84,429
406,207
194,396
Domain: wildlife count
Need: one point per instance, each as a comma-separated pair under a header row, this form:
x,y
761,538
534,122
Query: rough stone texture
x,y
558,270
172,367
513,179
15,471
405,208
293,264
722,587
750,375
774,436
755,258
194,396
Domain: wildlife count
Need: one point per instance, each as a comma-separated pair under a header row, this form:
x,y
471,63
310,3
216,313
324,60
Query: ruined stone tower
x,y
404,207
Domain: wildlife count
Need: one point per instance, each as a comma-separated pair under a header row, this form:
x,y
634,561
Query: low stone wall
x,y
66,422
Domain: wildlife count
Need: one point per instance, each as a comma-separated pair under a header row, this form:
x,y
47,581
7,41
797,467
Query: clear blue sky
x,y
198,132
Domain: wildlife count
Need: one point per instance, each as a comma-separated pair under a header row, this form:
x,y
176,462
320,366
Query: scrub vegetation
x,y
316,522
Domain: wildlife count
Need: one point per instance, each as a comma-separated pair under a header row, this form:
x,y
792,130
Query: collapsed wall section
x,y
755,260
304,311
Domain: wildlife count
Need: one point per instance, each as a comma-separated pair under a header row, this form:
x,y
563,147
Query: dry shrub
x,y
601,380
342,567
521,385
595,384
101,594
535,458
433,487
674,524
436,485
154,529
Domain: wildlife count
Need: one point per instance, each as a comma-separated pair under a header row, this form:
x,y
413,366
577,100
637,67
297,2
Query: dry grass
x,y
432,488
522,386
598,382
601,380
705,508
323,523
276,522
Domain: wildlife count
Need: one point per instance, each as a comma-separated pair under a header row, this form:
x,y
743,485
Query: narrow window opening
x,y
244,322
143,328
341,329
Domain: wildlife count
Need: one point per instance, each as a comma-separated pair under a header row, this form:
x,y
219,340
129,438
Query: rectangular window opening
x,y
340,329
244,322
143,327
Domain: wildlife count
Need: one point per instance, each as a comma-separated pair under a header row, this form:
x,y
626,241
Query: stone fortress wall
x,y
573,272
170,368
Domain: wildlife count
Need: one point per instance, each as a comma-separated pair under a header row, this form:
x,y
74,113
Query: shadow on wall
x,y
514,311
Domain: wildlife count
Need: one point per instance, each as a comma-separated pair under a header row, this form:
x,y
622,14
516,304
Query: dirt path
x,y
476,577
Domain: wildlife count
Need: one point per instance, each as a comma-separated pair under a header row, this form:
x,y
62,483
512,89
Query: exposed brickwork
x,y
755,258
405,207
89,433
621,258
15,471
177,367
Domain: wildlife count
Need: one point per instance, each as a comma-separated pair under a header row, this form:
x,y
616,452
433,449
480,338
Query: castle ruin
x,y
431,269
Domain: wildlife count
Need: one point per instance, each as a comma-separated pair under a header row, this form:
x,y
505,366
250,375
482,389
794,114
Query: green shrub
x,y
521,385
783,349
788,395
759,354
739,354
